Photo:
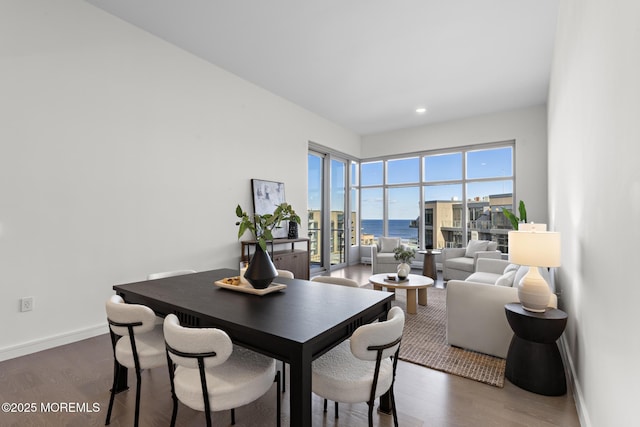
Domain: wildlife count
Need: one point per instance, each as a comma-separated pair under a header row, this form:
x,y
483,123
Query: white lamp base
x,y
534,292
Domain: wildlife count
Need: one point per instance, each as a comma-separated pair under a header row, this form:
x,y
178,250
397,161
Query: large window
x,y
439,199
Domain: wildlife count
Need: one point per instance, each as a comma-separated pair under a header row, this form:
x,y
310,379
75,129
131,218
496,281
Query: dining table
x,y
296,324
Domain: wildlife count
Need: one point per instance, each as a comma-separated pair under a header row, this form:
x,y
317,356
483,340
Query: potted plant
x,y
261,270
404,255
514,219
289,214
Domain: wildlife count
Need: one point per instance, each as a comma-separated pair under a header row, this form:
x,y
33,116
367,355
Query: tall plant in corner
x,y
514,219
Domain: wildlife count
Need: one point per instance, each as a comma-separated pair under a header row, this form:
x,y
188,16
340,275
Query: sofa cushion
x,y
388,244
506,279
462,263
483,277
387,258
475,246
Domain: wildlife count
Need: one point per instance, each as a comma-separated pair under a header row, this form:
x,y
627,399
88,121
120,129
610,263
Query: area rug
x,y
424,342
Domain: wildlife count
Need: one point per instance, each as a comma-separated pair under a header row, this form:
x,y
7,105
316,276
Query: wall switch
x,y
26,303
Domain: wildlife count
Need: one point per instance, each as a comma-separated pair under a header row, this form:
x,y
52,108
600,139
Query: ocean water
x,y
397,228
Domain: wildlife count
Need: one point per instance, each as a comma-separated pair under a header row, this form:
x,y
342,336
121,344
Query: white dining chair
x,y
209,373
285,273
137,343
342,281
362,368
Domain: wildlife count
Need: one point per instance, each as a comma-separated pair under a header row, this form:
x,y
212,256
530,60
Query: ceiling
x,y
368,64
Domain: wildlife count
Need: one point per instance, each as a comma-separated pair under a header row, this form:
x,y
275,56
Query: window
x,y
437,200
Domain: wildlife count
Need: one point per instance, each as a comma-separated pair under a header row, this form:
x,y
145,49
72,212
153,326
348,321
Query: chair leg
x,y
233,416
335,404
371,404
325,405
393,408
138,383
174,413
116,371
278,399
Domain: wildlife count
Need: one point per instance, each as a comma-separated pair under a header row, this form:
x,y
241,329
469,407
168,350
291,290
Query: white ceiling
x,y
368,64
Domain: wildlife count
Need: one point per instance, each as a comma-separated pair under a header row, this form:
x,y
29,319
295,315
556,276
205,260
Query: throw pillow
x,y
475,246
511,267
388,244
506,279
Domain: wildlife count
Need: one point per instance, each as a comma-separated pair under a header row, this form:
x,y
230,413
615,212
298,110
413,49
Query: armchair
x,y
460,263
382,256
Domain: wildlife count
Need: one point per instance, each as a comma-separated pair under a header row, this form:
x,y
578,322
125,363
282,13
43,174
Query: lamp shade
x,y
535,248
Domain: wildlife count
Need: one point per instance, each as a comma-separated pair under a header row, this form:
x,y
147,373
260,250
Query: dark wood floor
x,y
81,373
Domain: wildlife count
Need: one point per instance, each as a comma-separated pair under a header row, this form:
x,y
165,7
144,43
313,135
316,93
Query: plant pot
x,y
261,270
403,271
293,230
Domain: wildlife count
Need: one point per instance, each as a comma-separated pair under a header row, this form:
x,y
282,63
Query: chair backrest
x,y
120,312
342,281
192,342
378,334
388,244
164,274
285,273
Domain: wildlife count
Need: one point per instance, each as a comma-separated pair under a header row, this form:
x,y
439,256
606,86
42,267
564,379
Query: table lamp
x,y
534,249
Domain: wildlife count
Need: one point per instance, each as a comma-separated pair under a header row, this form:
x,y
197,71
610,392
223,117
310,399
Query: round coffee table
x,y
415,285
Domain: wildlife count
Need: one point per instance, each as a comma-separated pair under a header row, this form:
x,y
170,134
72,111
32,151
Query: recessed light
x,y
421,110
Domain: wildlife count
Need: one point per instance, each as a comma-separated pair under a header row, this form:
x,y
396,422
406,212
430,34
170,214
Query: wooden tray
x,y
248,289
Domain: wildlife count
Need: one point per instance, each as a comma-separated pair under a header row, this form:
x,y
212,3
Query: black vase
x,y
293,230
261,270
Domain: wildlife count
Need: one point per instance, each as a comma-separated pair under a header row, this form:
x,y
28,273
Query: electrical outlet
x,y
26,303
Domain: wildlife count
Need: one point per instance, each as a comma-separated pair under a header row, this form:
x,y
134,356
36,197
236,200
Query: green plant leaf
x,y
511,217
523,212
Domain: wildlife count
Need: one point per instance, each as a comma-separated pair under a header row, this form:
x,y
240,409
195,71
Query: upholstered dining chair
x,y
285,273
137,343
209,373
164,274
342,281
362,368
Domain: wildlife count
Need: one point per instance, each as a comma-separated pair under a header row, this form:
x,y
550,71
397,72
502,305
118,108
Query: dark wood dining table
x,y
295,325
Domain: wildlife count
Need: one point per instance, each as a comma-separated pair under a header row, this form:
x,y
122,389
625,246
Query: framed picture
x,y
267,195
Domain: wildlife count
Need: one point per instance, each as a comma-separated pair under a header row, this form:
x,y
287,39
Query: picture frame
x,y
267,195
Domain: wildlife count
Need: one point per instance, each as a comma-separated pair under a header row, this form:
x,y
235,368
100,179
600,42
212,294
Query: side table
x,y
429,263
533,360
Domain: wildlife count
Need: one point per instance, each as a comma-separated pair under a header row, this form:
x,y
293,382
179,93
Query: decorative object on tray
x,y
404,255
235,284
261,270
394,278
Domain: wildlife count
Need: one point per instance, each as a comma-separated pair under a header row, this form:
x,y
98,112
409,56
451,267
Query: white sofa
x,y
460,263
382,255
475,307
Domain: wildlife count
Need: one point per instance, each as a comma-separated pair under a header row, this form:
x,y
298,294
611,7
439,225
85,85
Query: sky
x,y
404,201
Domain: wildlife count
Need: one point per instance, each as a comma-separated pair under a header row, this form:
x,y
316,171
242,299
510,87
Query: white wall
x,y
594,201
528,127
122,155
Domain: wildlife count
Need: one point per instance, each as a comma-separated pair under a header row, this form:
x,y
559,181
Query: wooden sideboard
x,y
286,254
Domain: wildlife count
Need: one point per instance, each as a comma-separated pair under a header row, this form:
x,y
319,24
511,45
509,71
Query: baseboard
x,y
574,385
34,346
